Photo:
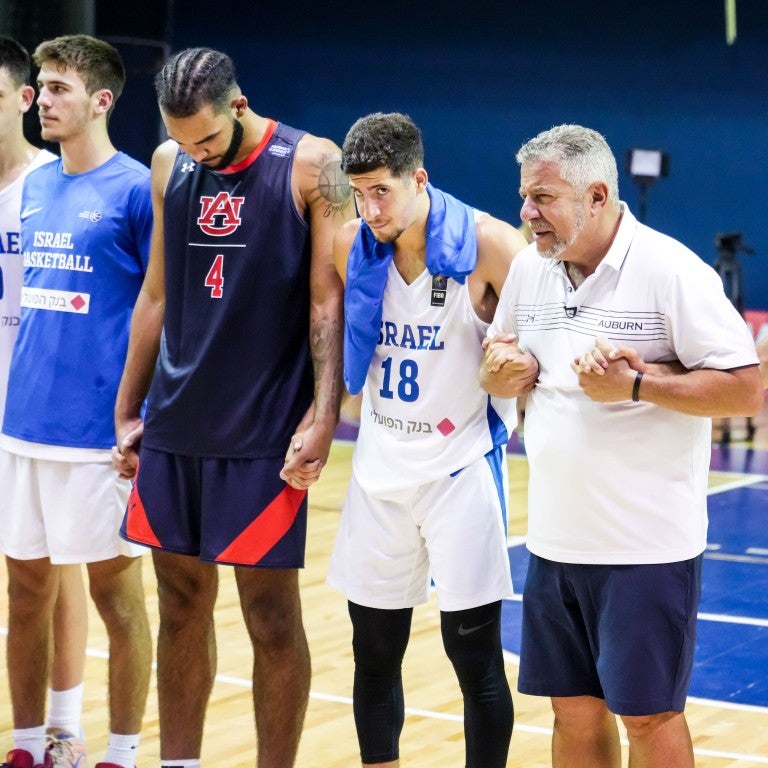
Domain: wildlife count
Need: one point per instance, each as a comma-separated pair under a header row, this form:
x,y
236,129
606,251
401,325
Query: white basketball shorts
x,y
67,511
451,530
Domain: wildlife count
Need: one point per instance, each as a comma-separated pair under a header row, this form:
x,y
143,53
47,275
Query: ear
x,y
421,178
598,195
103,101
240,104
26,98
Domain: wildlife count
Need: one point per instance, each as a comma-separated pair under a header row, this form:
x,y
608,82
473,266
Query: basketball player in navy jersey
x,y
428,491
238,328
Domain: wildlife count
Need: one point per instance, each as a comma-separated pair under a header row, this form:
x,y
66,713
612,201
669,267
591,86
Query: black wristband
x,y
636,387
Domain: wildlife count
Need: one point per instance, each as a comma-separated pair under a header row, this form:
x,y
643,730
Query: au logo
x,y
220,215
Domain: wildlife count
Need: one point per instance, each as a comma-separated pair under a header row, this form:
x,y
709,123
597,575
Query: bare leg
x,y
186,651
70,630
585,734
32,589
118,592
281,667
661,739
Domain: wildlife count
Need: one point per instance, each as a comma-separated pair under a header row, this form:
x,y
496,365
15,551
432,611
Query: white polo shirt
x,y
619,482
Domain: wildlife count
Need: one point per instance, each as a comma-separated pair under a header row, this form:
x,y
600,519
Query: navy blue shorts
x,y
623,633
231,511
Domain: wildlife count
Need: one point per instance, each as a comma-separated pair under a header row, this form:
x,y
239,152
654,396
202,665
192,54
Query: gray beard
x,y
554,251
557,248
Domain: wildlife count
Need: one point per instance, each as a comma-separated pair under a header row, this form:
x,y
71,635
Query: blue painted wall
x,y
481,79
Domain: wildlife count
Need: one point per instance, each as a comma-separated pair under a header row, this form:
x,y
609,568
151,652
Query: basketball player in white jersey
x,y
17,158
428,493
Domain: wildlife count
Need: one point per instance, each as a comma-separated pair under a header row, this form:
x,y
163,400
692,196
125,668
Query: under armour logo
x,y
185,167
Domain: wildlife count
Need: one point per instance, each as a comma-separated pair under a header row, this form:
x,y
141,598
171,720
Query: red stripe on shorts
x,y
266,530
137,526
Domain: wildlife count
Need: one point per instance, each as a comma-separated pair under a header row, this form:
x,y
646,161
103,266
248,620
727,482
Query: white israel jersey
x,y
12,268
424,415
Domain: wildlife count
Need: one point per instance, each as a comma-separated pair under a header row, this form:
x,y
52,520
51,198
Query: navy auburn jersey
x,y
234,372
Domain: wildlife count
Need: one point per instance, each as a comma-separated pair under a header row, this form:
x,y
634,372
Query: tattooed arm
x,y
322,192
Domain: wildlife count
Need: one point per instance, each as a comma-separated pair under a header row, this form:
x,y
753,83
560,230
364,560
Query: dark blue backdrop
x,y
481,78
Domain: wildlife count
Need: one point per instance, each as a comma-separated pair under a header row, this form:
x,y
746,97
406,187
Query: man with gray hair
x,y
638,347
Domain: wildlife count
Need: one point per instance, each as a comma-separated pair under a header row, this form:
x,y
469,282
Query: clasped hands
x,y
606,372
505,360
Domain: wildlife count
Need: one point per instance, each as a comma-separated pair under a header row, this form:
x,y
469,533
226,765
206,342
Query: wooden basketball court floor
x,y
727,711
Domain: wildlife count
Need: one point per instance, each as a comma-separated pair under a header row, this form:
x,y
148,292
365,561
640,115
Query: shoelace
x,y
62,754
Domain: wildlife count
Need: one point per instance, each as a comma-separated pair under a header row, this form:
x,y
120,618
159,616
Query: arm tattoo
x,y
325,344
333,185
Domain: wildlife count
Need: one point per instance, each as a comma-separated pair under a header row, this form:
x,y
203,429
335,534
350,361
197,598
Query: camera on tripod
x,y
728,244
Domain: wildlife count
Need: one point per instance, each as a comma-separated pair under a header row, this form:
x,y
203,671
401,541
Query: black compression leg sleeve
x,y
379,640
472,640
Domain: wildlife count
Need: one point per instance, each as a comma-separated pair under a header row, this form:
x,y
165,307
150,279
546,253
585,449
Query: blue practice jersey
x,y
85,244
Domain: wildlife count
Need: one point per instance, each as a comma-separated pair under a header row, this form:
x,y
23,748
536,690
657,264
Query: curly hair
x,y
379,140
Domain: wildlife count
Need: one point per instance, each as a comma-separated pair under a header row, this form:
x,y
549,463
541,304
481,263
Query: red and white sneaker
x,y
20,758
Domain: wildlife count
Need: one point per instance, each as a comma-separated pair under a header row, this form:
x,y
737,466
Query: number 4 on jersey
x,y
215,277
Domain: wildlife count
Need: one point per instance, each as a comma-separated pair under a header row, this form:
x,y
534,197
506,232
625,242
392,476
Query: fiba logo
x,y
93,216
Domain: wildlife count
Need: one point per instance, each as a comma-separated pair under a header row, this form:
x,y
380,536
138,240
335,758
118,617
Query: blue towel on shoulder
x,y
451,251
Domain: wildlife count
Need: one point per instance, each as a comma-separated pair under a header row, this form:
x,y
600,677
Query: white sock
x,y
32,740
186,763
65,709
121,749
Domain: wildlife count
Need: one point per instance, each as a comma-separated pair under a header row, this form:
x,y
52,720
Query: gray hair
x,y
583,156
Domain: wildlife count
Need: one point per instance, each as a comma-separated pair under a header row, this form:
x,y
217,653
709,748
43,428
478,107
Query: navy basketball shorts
x,y
622,633
230,511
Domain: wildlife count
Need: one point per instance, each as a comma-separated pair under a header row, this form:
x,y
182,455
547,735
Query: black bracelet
x,y
636,387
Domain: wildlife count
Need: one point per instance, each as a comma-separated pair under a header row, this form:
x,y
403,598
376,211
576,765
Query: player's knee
x,y
472,643
282,632
643,727
30,589
379,640
185,593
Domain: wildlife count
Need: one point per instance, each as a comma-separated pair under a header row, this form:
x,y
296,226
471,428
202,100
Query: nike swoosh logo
x,y
469,630
30,211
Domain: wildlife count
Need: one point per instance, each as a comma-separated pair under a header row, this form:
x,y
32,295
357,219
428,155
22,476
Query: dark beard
x,y
234,145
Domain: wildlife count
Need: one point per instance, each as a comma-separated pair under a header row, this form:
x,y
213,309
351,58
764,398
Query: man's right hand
x,y
125,455
506,370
